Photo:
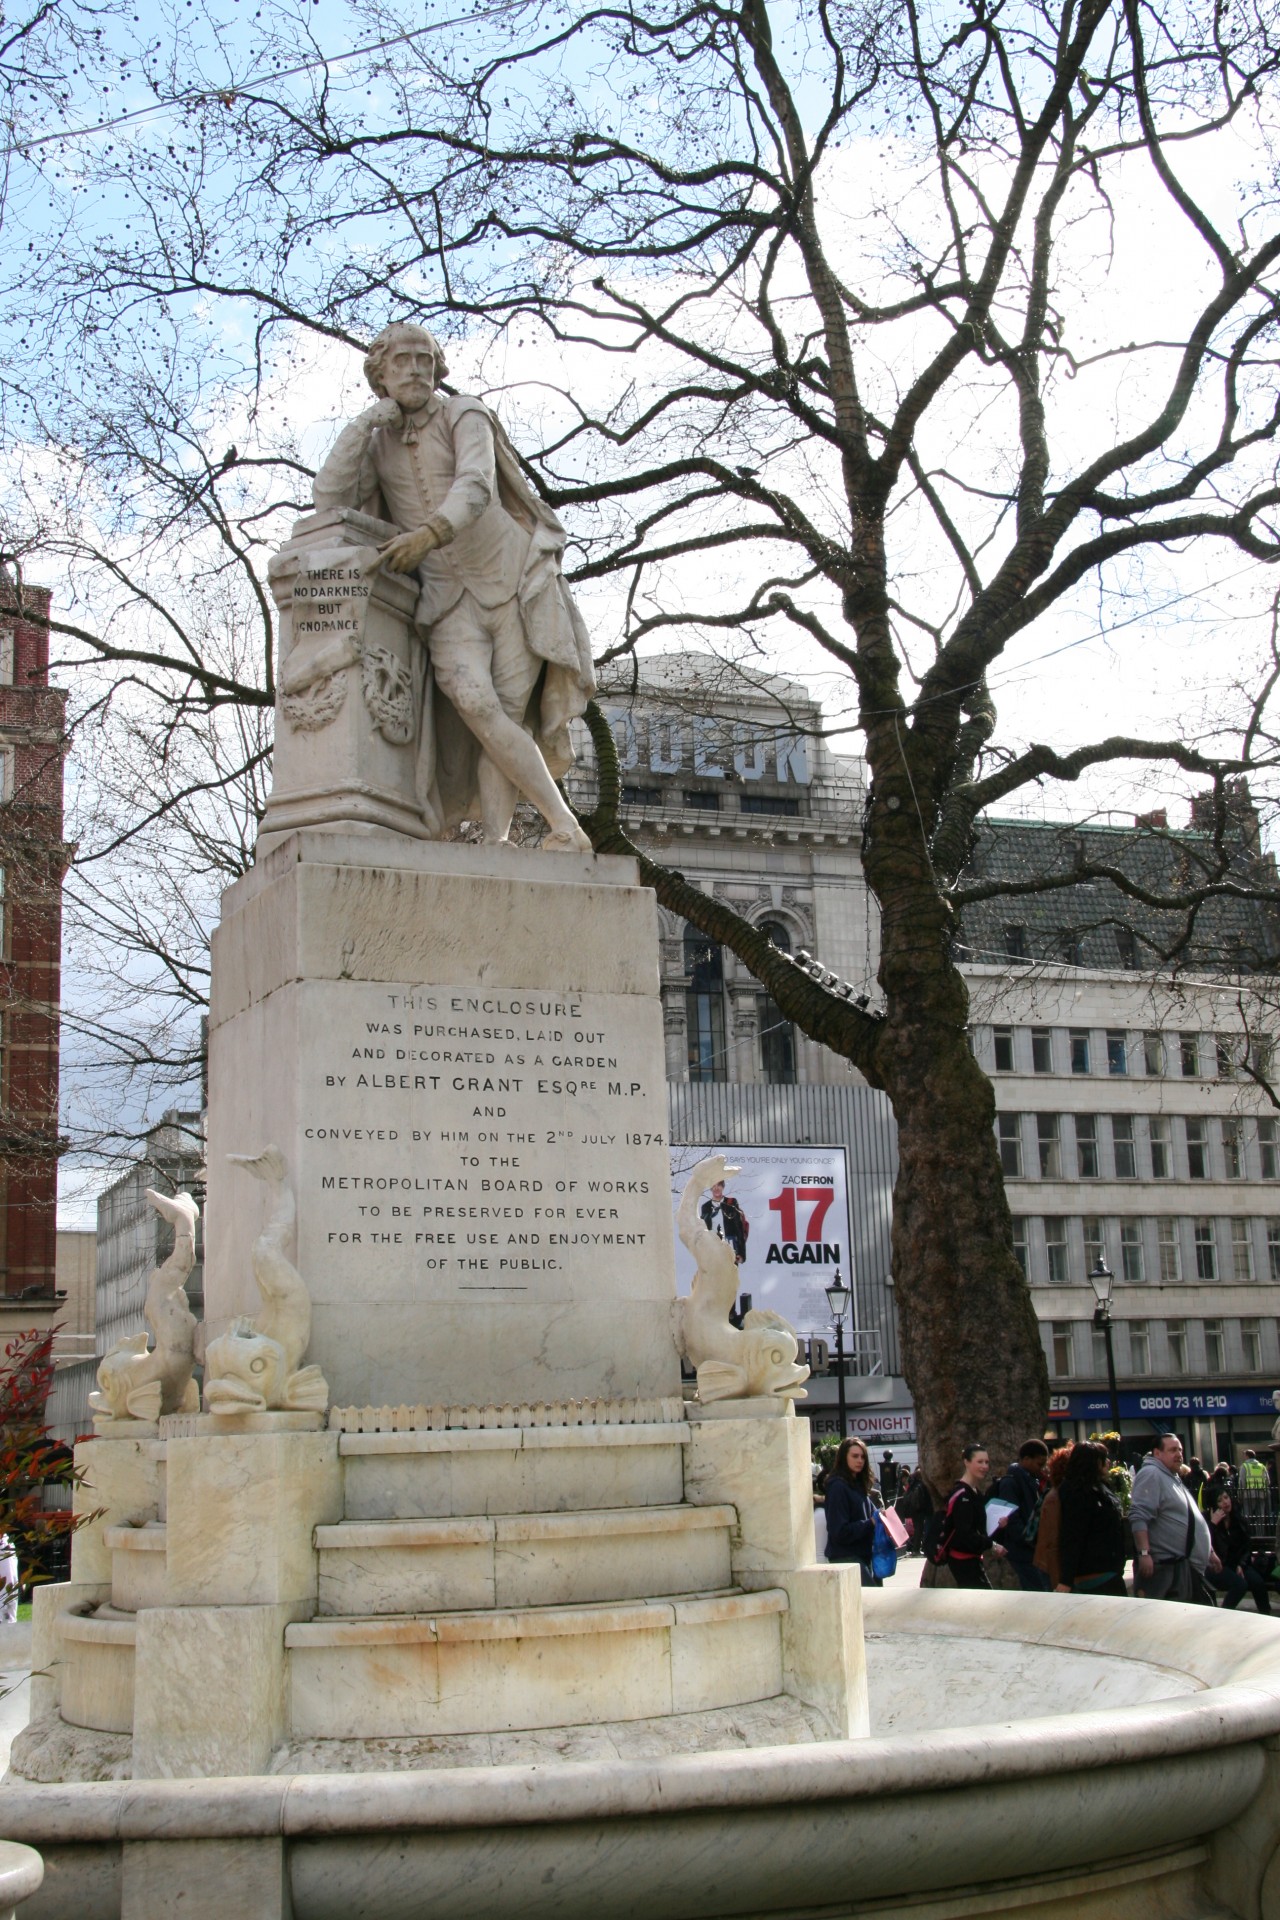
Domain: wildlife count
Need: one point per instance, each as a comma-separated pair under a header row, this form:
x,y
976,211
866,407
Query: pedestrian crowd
x,y
1053,1523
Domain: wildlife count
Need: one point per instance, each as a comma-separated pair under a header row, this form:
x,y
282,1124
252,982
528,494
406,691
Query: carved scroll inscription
x,y
330,602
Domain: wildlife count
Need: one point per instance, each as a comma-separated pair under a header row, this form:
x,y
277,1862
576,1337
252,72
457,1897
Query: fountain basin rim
x,y
459,1798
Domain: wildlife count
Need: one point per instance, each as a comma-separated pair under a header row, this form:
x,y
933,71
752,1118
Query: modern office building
x,y
132,1239
1131,1054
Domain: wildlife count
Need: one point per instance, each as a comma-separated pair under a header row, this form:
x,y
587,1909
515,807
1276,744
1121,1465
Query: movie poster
x,y
786,1215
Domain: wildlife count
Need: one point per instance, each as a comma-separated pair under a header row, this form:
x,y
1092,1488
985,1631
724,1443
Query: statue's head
x,y
405,364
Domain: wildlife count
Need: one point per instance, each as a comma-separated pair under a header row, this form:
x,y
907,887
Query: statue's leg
x,y
498,798
486,671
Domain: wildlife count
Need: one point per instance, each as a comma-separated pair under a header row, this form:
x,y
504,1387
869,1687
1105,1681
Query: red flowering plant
x,y
31,1460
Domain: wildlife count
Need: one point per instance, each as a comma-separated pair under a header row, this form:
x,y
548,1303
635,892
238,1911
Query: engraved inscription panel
x,y
459,1143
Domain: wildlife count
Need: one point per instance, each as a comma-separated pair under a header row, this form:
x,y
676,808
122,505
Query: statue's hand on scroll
x,y
408,550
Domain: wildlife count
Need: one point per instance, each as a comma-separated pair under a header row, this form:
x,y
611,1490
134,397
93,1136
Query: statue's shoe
x,y
572,840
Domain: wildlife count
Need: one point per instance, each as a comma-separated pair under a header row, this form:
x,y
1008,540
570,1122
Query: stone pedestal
x,y
242,1512
459,1051
348,677
209,1691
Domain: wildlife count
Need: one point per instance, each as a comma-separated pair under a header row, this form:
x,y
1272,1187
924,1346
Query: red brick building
x,y
33,859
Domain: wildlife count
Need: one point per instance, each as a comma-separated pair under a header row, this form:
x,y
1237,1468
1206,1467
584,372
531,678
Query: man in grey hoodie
x,y
1170,1534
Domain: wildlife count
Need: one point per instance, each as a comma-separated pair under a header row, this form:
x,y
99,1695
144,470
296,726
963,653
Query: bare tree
x,y
807,319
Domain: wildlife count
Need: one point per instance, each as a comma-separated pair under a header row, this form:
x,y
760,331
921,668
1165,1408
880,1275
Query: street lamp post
x,y
1102,1280
838,1298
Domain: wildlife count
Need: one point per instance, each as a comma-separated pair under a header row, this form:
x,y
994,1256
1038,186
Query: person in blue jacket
x,y
851,1509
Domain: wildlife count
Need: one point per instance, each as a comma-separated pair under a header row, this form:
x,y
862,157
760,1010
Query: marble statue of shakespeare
x,y
507,659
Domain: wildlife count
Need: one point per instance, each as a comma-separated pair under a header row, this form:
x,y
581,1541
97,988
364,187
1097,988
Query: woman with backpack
x,y
962,1534
1091,1530
851,1510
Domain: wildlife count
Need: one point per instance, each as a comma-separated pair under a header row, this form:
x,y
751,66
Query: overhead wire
x,y
204,94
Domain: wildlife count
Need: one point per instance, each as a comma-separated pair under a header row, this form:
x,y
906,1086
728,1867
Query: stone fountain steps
x,y
97,1668
138,1566
522,1559
508,1470
484,1670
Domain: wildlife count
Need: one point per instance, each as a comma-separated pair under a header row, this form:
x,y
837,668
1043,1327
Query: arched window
x,y
704,1004
777,1035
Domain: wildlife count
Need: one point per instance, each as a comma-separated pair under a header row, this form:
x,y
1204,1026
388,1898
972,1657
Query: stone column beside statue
x,y
346,726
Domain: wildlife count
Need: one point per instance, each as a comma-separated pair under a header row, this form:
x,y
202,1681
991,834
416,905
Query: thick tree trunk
x,y
970,1342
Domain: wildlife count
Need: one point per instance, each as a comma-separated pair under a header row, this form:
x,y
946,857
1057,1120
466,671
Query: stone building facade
x,y
731,779
1120,1040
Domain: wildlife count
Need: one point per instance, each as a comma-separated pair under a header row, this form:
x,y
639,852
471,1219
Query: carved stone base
x,y
761,1407
187,1426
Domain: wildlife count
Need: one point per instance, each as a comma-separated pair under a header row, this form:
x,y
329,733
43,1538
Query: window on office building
x,y
1215,1347
1015,943
1161,1149
1261,1055
1093,1248
1170,1258
1020,1243
1117,1053
1153,1053
1189,1055
1206,1250
1175,1332
777,1035
1004,1049
1268,1156
1122,1147
1079,1050
1241,1250
1131,1267
1198,1149
1233,1149
1009,1134
1273,1249
1251,1345
704,1006
1139,1347
1227,1052
1055,1251
1047,1146
777,1045
1042,1049
1063,1349
1087,1146
769,803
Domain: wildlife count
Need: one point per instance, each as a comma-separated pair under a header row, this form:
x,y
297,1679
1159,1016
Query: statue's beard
x,y
411,399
